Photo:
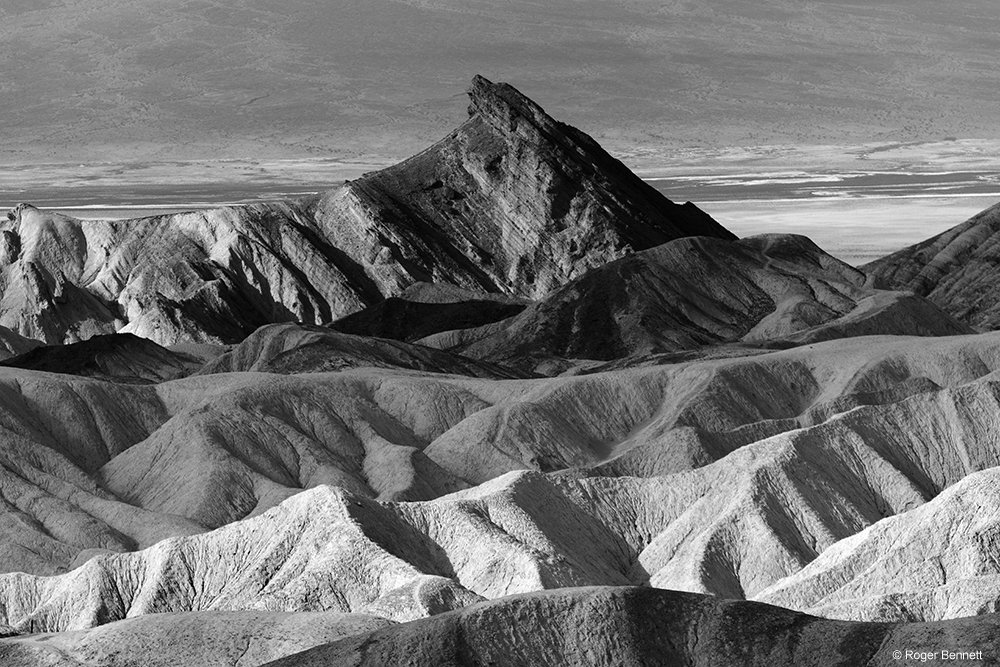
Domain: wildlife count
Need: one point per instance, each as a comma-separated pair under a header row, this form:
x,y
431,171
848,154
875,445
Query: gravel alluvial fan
x,y
501,403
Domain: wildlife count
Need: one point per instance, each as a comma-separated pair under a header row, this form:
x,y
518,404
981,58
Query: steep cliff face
x,y
512,201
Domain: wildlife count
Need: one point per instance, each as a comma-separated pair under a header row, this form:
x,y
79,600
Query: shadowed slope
x,y
114,357
936,561
698,292
957,270
512,201
196,639
636,626
406,320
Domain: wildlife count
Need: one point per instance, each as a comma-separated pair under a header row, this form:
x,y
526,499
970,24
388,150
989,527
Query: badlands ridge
x,y
502,403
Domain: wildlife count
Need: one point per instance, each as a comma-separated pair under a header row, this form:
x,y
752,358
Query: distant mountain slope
x,y
608,627
296,348
956,269
115,357
512,202
210,276
696,292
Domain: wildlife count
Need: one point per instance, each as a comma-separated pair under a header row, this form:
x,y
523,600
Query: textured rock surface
x,y
632,626
697,292
956,269
199,639
733,527
219,447
936,561
512,201
308,554
210,276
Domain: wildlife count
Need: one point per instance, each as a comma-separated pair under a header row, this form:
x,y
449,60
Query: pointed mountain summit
x,y
512,201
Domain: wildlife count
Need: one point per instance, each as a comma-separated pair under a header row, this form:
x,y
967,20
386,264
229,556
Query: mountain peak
x,y
511,202
502,101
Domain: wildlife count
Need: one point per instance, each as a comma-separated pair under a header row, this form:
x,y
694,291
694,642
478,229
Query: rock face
x,y
955,269
697,292
211,276
512,202
635,626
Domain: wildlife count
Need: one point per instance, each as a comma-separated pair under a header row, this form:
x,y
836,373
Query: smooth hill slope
x,y
699,292
957,270
512,202
635,626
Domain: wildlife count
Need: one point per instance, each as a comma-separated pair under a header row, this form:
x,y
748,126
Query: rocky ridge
x,y
635,626
512,202
695,293
955,269
739,494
